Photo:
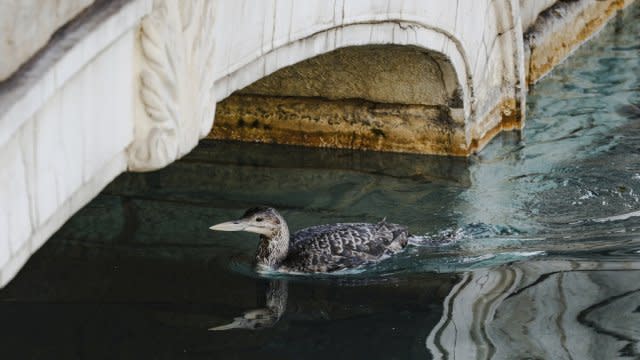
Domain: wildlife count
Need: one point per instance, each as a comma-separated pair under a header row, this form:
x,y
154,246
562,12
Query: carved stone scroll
x,y
176,101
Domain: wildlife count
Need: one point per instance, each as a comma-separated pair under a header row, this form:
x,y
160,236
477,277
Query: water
x,y
530,249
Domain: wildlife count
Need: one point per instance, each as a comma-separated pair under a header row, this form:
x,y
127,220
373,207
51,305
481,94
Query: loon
x,y
317,249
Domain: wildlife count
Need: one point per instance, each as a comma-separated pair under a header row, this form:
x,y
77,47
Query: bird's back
x,y
325,248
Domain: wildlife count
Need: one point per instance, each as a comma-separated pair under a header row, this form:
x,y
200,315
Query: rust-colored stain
x,y
353,124
511,119
350,124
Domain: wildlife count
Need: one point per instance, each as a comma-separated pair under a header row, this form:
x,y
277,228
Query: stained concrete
x,y
387,98
561,28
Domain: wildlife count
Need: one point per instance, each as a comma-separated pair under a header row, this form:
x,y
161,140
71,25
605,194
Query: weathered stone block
x,y
15,217
561,28
103,113
69,134
390,98
530,9
26,26
391,74
64,130
350,124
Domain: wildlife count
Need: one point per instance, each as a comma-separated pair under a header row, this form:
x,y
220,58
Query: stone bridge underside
x,y
133,85
379,97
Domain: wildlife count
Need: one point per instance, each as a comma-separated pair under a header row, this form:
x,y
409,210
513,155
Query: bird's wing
x,y
347,245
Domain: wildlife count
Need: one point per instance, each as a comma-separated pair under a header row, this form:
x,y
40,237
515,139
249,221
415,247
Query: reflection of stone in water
x,y
619,317
542,309
470,305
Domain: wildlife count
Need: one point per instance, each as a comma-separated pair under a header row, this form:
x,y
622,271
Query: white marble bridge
x,y
90,89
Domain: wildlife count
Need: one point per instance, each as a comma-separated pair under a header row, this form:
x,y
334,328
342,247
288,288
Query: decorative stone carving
x,y
177,105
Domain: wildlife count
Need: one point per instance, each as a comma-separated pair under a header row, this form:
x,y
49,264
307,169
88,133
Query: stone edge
x,y
75,202
70,49
549,23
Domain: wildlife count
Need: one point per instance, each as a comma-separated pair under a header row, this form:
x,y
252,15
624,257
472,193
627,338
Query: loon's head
x,y
260,220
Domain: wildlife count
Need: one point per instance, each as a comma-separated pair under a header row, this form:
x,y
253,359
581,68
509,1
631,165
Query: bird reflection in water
x,y
256,319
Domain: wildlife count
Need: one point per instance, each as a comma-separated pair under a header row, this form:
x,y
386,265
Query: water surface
x,y
531,249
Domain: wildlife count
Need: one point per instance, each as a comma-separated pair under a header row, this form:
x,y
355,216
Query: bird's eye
x,y
258,219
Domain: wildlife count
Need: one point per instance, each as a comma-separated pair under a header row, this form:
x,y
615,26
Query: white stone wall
x,y
530,9
66,136
66,152
481,38
27,25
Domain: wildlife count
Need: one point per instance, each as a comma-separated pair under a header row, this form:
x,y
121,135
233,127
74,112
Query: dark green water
x,y
542,258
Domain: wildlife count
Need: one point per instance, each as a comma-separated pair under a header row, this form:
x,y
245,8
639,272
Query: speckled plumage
x,y
322,248
326,248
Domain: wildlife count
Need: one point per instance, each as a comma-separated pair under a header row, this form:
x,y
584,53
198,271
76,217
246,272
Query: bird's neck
x,y
273,249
